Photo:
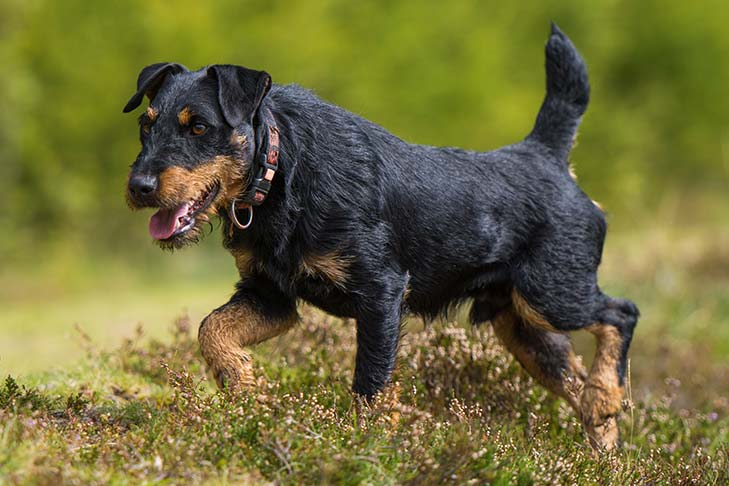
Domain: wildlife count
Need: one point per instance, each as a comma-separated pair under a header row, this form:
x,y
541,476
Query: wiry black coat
x,y
450,224
419,229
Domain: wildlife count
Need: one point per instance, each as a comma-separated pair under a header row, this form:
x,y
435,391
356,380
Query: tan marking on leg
x,y
331,266
526,349
226,331
184,116
598,205
526,312
152,114
602,398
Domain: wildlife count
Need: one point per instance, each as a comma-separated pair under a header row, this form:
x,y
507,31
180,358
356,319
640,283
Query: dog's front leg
x,y
378,334
255,313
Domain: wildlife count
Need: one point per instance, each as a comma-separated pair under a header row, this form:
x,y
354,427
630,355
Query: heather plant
x,y
460,411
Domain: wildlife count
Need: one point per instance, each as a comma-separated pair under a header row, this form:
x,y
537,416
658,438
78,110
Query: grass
x,y
43,304
460,410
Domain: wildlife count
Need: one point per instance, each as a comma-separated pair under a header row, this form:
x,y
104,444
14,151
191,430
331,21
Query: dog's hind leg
x,y
612,322
605,385
546,355
255,313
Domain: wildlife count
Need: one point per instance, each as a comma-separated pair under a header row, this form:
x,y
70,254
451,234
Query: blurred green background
x,y
653,147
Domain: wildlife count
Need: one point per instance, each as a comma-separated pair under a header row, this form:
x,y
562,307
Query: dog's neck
x,y
263,169
285,223
268,193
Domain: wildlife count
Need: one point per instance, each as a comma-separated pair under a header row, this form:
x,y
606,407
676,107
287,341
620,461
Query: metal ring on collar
x,y
234,216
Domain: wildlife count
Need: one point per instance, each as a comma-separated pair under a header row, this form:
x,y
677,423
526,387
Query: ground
x,y
460,411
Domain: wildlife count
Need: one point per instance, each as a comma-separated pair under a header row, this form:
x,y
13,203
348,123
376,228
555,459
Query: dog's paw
x,y
600,410
603,436
235,379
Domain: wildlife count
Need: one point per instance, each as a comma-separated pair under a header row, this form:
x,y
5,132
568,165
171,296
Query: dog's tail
x,y
568,93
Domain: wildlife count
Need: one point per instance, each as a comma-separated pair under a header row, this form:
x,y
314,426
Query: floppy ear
x,y
150,80
240,91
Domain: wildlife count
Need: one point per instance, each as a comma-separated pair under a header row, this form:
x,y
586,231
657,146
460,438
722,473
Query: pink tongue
x,y
164,222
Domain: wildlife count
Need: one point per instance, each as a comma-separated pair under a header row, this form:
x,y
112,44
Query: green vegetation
x,y
80,407
461,412
462,409
467,74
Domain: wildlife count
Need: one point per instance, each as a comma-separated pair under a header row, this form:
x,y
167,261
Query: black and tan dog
x,y
321,205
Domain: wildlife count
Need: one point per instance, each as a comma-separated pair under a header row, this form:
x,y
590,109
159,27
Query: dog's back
x,y
457,219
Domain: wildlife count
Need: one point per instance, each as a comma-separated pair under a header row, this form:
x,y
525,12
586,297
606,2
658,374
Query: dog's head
x,y
198,145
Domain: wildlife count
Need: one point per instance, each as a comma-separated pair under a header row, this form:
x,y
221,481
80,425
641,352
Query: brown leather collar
x,y
266,166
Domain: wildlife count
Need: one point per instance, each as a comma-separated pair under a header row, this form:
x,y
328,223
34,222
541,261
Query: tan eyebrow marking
x,y
184,116
152,113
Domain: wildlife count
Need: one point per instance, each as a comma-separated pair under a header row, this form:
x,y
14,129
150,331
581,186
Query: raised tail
x,y
568,93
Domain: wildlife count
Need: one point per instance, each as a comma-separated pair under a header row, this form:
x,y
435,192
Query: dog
x,y
320,205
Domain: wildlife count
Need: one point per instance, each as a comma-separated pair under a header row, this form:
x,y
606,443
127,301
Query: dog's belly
x,y
327,297
433,293
428,294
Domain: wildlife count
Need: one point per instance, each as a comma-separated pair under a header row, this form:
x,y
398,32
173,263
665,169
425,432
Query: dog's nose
x,y
143,185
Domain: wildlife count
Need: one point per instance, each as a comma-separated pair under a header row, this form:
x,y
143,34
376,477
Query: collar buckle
x,y
267,165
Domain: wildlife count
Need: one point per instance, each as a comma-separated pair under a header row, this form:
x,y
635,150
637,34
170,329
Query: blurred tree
x,y
443,73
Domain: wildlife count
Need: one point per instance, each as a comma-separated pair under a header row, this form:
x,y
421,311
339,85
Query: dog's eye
x,y
198,129
146,128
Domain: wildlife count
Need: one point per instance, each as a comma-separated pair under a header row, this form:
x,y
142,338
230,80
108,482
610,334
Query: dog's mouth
x,y
169,223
